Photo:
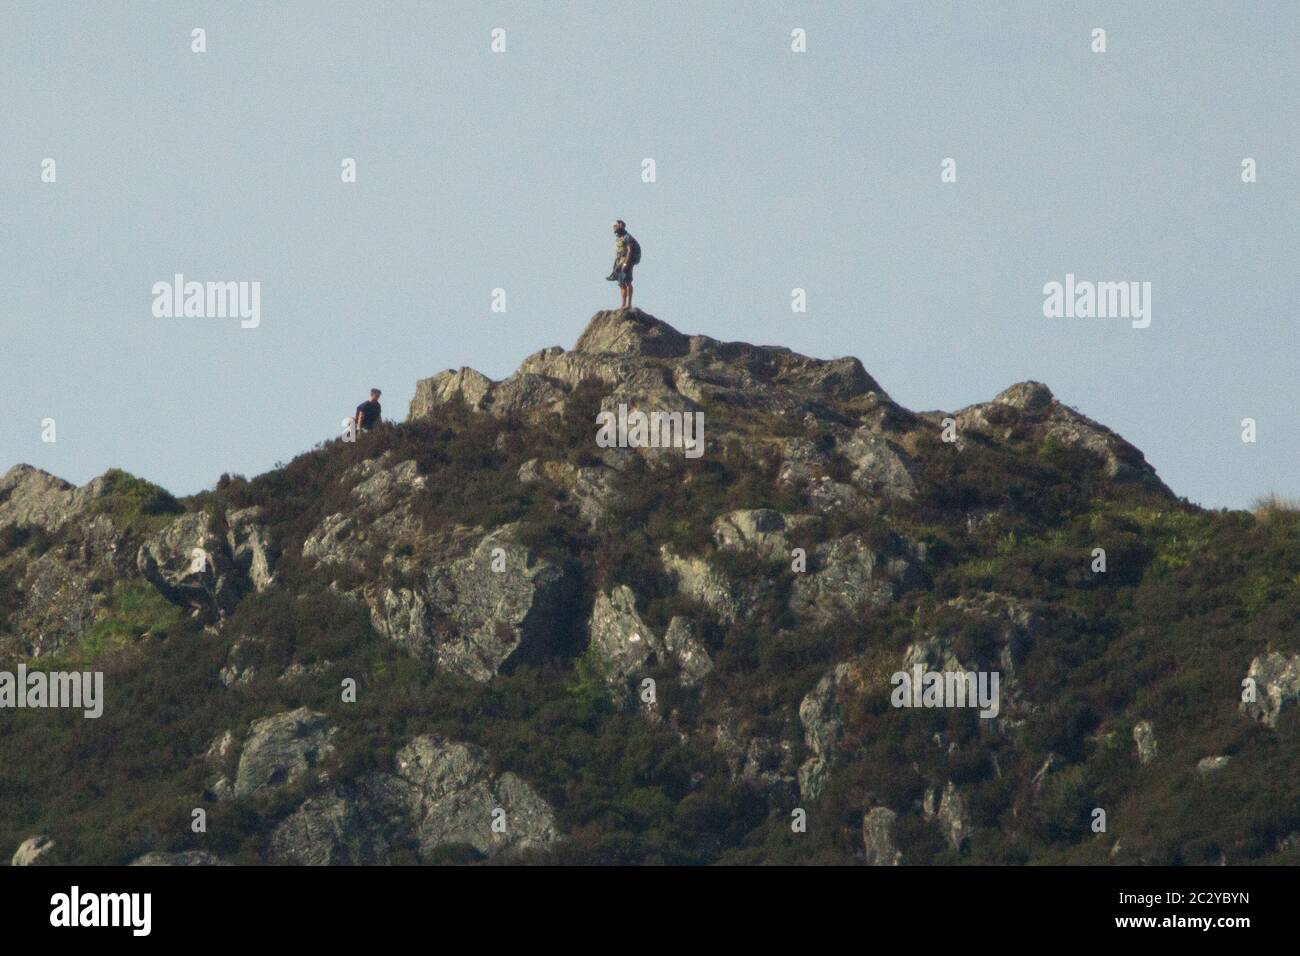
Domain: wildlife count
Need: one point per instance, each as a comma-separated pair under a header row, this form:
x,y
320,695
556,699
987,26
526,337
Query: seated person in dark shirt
x,y
368,412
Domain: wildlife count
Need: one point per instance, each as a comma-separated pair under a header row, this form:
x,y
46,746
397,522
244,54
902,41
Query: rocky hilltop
x,y
484,634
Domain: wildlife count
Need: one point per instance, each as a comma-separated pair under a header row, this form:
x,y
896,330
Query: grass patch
x,y
135,504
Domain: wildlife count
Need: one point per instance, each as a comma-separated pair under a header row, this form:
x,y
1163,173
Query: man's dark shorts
x,y
624,276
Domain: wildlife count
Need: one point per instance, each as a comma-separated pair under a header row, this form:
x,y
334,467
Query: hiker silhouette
x,y
627,253
368,412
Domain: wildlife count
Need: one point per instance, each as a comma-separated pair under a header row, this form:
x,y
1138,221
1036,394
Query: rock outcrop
x,y
589,487
31,850
848,574
183,858
950,557
949,811
441,794
878,837
1274,686
618,635
251,549
626,645
1214,764
282,750
191,566
1144,736
648,362
483,604
702,581
1030,409
761,531
340,828
822,714
31,497
474,615
449,794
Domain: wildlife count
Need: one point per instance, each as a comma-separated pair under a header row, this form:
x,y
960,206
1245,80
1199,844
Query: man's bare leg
x,y
627,296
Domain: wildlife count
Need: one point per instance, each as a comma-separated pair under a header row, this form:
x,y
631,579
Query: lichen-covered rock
x,y
328,542
685,648
1276,687
626,645
631,332
31,850
449,794
879,466
334,829
465,385
184,858
251,548
993,633
700,580
759,530
1212,764
481,603
485,603
61,576
60,604
589,487
221,749
647,363
848,574
951,815
382,525
384,484
525,393
30,496
619,636
190,565
1031,408
503,604
283,749
822,714
1144,735
878,837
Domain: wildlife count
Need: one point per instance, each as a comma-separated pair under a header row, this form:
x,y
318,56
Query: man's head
x,y
374,394
618,225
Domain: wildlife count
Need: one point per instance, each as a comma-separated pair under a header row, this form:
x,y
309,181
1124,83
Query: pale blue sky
x,y
775,170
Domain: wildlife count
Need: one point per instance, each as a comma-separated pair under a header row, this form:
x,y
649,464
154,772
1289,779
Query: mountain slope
x,y
483,633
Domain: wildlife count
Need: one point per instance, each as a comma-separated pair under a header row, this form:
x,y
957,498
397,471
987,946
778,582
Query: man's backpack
x,y
634,254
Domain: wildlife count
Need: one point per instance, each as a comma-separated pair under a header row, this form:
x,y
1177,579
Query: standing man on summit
x,y
627,253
